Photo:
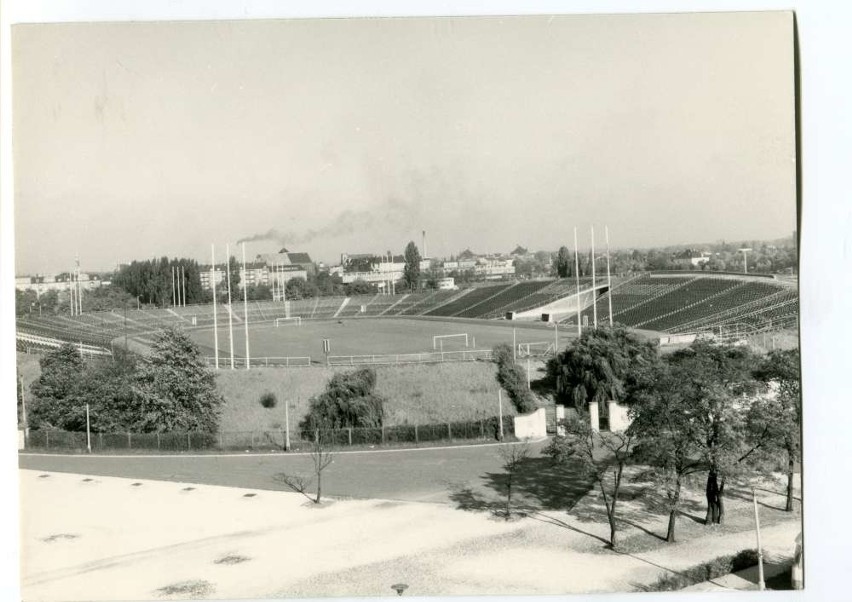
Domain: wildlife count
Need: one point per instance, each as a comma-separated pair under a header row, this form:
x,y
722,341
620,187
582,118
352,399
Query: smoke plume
x,y
393,213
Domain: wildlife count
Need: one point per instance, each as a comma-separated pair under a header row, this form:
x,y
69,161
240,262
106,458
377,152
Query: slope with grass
x,y
416,394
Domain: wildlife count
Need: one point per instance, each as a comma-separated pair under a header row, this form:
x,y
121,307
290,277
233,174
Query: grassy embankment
x,y
421,394
416,394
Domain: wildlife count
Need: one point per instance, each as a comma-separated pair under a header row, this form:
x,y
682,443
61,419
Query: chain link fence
x,y
271,440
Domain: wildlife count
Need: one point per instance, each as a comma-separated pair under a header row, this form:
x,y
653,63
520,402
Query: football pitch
x,y
365,336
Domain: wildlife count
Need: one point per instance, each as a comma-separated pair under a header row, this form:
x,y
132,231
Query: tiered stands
x,y
472,298
502,301
694,301
554,291
431,301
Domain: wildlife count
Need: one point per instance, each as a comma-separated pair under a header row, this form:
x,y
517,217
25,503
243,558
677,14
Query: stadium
x,y
376,329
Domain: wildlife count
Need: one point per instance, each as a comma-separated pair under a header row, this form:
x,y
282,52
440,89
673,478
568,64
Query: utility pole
x,y
594,291
760,582
577,279
287,425
608,277
245,306
88,431
215,318
500,409
183,280
174,290
745,259
230,307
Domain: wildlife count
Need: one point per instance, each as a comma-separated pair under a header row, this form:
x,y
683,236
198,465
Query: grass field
x,y
418,394
367,336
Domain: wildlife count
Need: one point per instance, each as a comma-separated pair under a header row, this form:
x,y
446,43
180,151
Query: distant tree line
x,y
151,280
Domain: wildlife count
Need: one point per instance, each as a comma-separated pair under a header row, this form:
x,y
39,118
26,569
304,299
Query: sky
x,y
136,140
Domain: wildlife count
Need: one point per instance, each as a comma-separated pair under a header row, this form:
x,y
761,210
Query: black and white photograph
x,y
407,306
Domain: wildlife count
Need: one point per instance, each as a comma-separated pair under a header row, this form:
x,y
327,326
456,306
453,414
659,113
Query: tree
x,y
596,366
176,390
321,458
359,287
664,424
297,288
563,262
349,400
513,457
411,271
579,443
108,386
715,378
56,399
775,419
511,377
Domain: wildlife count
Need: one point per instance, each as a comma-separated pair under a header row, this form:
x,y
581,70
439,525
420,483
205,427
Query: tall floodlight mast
x,y
230,307
245,306
745,259
594,291
608,277
215,318
577,280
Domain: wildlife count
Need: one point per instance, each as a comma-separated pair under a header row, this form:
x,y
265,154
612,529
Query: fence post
x,y
449,431
383,434
316,436
100,440
252,439
188,442
219,439
416,438
46,439
482,428
350,436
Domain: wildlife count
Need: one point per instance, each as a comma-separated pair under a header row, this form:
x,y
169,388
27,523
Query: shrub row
x,y
718,567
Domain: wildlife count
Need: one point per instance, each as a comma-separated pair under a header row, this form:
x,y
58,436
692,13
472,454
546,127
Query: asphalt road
x,y
425,474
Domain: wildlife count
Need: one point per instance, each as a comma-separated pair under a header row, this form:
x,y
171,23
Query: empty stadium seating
x,y
475,296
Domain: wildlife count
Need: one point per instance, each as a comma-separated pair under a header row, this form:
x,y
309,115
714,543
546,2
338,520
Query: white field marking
x,y
278,453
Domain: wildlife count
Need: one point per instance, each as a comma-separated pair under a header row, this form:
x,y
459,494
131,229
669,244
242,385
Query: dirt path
x,y
116,539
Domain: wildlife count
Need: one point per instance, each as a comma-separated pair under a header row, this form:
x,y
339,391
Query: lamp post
x,y
745,259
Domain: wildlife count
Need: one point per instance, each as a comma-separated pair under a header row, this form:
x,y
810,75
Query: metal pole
x,y
594,292
514,344
556,337
608,276
760,582
245,306
24,421
230,308
500,410
287,426
577,279
71,303
529,386
183,280
174,290
88,431
215,318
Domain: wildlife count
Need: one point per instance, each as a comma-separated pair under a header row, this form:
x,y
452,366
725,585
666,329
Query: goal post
x,y
439,339
295,320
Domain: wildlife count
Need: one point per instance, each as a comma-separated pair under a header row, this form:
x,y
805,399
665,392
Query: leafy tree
x,y
578,446
511,377
775,419
597,366
234,268
56,398
563,262
298,288
715,378
360,287
664,424
349,400
108,386
513,457
411,271
176,390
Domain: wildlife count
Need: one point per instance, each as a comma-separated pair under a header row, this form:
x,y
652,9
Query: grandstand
x,y
694,301
664,302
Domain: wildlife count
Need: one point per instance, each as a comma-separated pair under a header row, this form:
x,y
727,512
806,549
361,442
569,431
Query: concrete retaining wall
x,y
531,426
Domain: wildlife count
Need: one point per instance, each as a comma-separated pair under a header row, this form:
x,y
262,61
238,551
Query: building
x,y
42,283
690,258
291,262
447,284
381,270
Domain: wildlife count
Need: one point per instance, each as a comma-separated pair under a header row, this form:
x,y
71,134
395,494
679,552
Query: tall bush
x,y
511,377
349,400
